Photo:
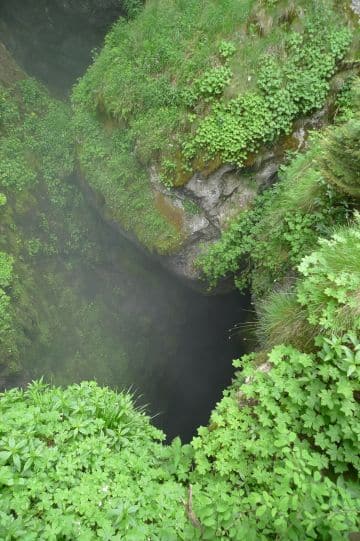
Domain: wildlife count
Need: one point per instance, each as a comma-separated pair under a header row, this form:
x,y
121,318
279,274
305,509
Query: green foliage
x,y
15,170
6,270
233,129
284,440
227,49
8,329
9,110
276,462
278,459
35,137
281,319
266,242
209,85
196,93
82,463
340,159
286,89
331,287
172,43
325,298
6,278
36,151
348,99
132,7
142,105
112,170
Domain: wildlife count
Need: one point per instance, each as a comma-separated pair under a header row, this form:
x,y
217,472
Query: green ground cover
x,y
211,83
36,148
279,458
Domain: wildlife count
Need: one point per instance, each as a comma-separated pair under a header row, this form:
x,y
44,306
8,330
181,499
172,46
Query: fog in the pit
x,y
122,319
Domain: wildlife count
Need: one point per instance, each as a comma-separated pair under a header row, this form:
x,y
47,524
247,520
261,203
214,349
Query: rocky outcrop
x,y
53,39
355,6
208,202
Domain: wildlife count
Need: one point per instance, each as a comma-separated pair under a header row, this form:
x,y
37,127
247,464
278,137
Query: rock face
x,y
208,202
53,39
355,5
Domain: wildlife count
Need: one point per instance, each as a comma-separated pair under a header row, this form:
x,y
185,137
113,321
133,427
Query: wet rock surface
x,y
355,5
208,202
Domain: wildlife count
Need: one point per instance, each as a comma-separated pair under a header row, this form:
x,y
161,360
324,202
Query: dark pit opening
x,y
53,40
123,320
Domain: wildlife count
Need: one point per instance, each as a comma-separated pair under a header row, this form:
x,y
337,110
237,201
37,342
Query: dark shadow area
x,y
114,314
117,317
53,39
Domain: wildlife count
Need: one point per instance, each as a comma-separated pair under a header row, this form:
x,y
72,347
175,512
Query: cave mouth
x,y
120,318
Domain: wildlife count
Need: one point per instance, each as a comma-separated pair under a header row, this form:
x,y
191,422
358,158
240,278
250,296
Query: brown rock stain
x,y
174,215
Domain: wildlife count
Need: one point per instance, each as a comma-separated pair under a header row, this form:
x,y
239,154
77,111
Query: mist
x,y
116,316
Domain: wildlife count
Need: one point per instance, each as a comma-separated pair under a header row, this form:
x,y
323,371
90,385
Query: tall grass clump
x,y
340,158
282,319
330,289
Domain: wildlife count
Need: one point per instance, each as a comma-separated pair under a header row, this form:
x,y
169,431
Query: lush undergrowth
x,y
49,247
315,192
212,81
279,459
82,464
36,148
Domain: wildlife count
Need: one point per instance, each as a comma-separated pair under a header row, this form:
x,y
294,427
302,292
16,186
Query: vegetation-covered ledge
x,y
279,459
171,114
280,456
36,198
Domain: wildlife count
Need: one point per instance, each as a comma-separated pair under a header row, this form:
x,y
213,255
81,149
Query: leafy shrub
x,y
278,458
267,241
82,463
233,129
331,287
227,49
208,86
286,89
